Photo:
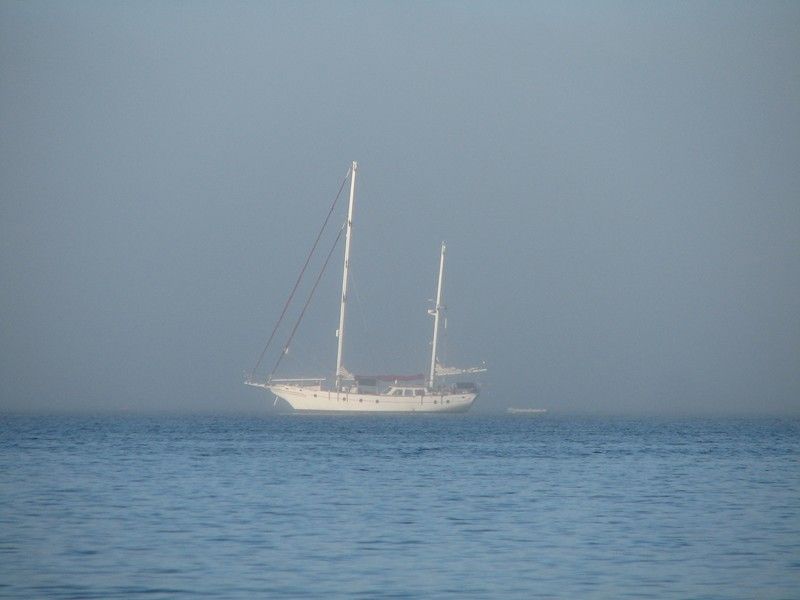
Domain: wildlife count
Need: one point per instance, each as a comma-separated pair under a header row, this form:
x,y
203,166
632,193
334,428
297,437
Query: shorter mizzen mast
x,y
435,312
345,275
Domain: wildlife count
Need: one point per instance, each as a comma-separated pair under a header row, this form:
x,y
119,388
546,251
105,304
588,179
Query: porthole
x,y
376,401
435,401
315,395
448,401
360,399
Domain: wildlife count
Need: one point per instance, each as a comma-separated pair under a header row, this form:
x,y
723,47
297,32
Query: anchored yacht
x,y
368,393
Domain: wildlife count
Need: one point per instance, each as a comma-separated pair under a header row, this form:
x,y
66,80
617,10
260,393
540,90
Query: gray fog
x,y
618,185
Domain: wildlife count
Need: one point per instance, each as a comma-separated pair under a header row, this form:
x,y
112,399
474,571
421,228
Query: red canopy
x,y
418,377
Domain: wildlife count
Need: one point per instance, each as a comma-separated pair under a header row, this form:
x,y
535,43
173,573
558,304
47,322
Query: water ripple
x,y
398,507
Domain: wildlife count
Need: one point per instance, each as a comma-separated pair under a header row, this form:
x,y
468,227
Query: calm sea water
x,y
397,507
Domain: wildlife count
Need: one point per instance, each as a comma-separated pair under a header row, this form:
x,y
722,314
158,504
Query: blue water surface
x,y
466,506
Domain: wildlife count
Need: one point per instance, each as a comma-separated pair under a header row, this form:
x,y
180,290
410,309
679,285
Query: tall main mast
x,y
345,273
435,312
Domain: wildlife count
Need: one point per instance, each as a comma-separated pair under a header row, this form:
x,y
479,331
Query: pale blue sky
x,y
618,185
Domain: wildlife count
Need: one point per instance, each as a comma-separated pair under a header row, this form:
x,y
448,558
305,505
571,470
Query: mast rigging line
x,y
308,301
300,276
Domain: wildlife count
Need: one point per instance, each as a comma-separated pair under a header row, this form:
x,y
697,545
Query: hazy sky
x,y
618,184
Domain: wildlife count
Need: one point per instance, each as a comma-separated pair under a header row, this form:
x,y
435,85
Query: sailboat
x,y
373,393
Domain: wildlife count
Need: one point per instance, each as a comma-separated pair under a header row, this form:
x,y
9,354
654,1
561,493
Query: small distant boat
x,y
526,411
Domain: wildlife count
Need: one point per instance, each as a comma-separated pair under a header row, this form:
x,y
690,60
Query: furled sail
x,y
443,371
345,374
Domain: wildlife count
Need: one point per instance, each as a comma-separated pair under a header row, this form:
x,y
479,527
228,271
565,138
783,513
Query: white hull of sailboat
x,y
317,400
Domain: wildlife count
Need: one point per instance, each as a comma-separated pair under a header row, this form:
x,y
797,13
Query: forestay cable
x,y
308,301
300,276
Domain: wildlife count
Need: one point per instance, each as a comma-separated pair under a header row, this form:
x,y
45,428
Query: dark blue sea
x,y
466,506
